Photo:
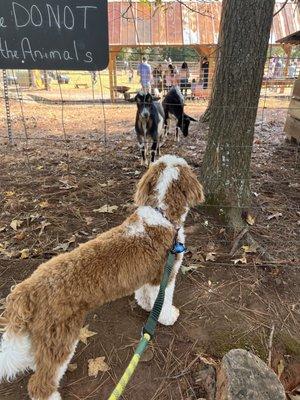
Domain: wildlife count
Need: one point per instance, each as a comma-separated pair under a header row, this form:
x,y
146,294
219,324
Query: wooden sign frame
x,y
54,34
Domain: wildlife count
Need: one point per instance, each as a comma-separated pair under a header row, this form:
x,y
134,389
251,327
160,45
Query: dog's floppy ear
x,y
145,192
191,187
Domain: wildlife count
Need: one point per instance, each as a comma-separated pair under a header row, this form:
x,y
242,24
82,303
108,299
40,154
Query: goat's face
x,y
186,120
144,102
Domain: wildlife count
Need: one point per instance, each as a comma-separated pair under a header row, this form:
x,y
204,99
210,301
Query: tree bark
x,y
243,45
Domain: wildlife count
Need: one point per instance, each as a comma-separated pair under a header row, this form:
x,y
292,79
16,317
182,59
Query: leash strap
x,y
149,328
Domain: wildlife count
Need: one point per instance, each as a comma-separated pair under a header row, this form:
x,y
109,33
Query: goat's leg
x,y
154,149
177,134
141,144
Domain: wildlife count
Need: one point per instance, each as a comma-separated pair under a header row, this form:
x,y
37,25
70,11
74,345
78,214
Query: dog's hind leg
x,y
16,355
51,364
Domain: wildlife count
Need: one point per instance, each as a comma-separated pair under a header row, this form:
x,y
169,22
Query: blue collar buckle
x,y
178,248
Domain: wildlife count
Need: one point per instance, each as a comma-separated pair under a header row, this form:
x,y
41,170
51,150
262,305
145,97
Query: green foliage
x,y
159,54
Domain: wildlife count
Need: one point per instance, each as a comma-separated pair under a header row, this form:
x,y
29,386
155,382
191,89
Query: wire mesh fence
x,y
68,169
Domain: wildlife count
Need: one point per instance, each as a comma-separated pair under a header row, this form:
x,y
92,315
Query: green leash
x,y
149,328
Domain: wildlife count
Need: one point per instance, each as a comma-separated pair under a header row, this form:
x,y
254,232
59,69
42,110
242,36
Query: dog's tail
x,y
15,347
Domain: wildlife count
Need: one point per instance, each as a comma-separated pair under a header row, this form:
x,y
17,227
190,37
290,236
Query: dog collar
x,y
177,247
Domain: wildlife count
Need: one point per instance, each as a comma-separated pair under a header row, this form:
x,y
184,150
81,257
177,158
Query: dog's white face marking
x,y
152,217
135,229
15,356
168,175
171,160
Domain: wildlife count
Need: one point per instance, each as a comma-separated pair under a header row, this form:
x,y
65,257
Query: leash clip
x,y
178,248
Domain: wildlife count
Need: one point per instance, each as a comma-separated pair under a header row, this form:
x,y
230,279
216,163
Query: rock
x,y
206,379
243,376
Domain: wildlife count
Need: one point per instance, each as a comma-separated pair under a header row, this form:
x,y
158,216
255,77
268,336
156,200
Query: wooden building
x,y
193,24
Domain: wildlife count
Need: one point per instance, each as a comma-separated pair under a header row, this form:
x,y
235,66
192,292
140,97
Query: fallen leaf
x,y
106,209
3,228
197,257
20,236
191,267
62,246
65,246
242,260
24,253
89,220
72,367
44,204
15,224
276,215
9,194
280,368
97,365
210,257
147,355
249,249
39,167
34,216
44,224
85,334
250,220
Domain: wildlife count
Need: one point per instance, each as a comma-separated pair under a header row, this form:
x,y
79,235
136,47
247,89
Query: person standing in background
x,y
184,75
205,71
145,72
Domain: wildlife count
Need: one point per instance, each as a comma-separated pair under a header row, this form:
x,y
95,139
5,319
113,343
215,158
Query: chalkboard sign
x,y
54,34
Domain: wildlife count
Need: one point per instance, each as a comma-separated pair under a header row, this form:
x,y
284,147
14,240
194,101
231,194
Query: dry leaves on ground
x,y
84,334
106,209
97,365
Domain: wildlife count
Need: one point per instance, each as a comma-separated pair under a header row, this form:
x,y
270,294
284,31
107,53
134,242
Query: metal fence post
x,y
7,107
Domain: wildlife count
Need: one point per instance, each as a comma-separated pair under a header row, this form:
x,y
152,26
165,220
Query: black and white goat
x,y
149,125
173,105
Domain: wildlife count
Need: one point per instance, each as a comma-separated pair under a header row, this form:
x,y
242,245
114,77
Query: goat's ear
x,y
148,98
191,118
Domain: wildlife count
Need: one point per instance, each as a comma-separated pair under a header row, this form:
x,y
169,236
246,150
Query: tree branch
x,y
281,8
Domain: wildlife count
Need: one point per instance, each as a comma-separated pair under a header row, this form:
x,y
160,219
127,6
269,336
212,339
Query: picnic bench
x,y
83,85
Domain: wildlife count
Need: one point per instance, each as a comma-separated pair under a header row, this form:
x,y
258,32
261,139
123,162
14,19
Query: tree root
x,y
246,235
206,116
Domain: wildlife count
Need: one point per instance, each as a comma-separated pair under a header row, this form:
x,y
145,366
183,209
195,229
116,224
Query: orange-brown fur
x,y
52,303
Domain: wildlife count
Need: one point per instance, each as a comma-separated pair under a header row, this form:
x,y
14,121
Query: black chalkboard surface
x,y
54,34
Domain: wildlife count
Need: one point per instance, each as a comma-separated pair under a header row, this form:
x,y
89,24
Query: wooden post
x,y
288,50
111,73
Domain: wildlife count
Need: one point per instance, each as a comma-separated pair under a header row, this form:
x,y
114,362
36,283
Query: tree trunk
x,y
243,45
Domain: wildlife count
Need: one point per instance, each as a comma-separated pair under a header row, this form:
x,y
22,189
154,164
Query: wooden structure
x,y
139,25
292,124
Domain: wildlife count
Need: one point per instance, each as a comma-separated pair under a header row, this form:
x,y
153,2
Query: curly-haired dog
x,y
44,313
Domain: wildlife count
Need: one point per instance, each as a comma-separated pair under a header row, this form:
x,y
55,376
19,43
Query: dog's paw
x,y
55,396
143,301
169,317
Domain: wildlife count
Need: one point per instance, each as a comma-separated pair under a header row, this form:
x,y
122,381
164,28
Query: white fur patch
x,y
152,217
135,229
15,356
171,160
168,175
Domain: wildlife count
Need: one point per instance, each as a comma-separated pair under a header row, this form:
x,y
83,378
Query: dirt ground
x,y
78,158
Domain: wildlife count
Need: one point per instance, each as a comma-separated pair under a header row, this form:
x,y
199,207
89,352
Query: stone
x,y
244,376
